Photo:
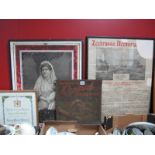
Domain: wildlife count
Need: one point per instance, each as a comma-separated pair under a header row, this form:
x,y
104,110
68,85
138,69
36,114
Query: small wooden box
x,y
81,129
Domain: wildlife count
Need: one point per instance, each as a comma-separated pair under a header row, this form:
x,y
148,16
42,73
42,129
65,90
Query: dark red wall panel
x,y
64,29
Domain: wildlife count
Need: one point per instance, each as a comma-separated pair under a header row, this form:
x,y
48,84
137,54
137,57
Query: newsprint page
x,y
125,66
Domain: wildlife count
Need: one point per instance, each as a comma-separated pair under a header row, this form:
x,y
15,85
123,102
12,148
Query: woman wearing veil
x,y
45,88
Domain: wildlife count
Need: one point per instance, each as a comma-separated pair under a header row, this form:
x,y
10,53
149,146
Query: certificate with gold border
x,y
18,107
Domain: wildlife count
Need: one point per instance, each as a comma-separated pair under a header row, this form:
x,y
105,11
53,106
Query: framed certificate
x,y
18,107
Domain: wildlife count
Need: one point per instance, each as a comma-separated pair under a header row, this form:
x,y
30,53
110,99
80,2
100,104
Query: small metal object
x,y
82,83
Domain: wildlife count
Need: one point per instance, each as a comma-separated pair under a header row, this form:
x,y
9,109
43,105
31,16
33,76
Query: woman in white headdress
x,y
45,88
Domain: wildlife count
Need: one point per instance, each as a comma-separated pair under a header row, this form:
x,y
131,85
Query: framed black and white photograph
x,y
125,65
17,107
37,65
27,56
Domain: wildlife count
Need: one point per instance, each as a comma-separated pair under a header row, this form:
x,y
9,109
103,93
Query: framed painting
x,y
18,107
79,100
26,57
126,67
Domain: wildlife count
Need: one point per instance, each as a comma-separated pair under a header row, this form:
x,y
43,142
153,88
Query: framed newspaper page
x,y
125,65
18,107
26,57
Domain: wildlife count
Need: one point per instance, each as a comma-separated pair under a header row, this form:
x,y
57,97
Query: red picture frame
x,y
65,56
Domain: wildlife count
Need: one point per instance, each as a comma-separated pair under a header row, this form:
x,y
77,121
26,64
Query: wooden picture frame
x,y
126,67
